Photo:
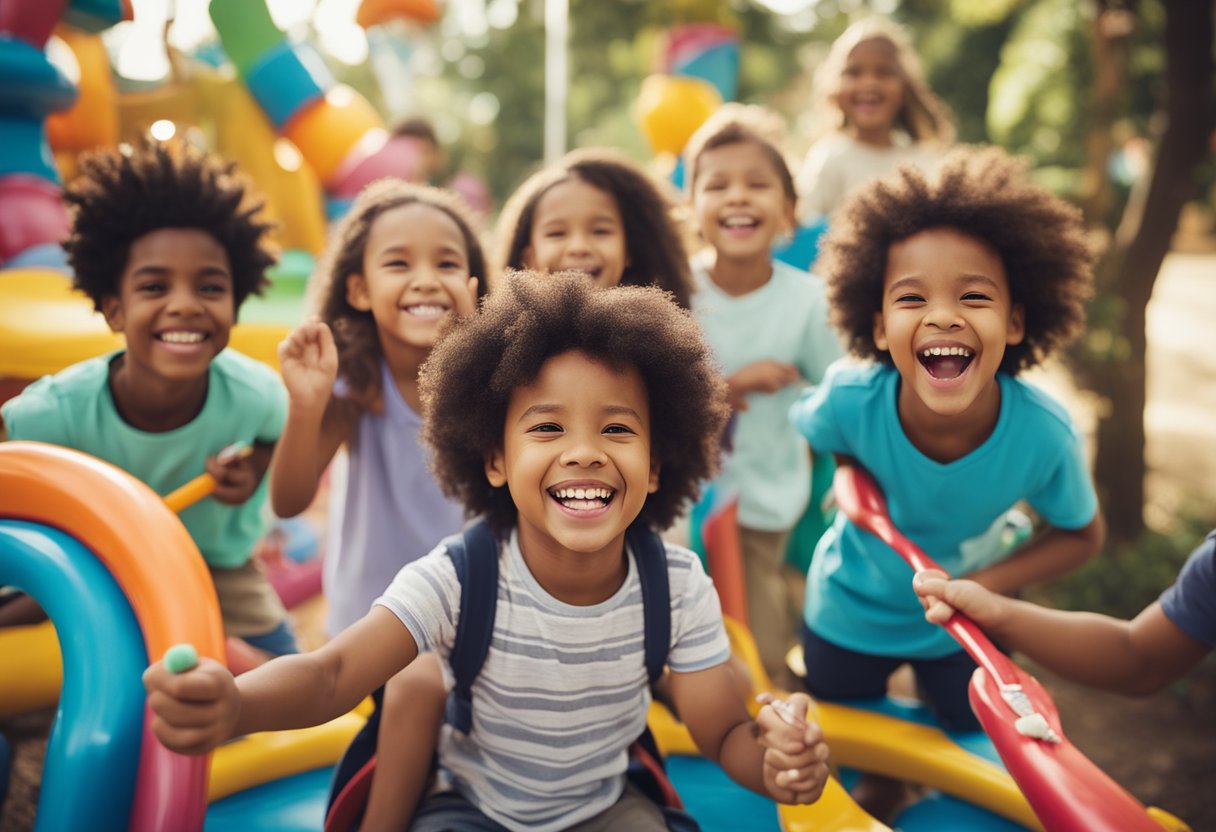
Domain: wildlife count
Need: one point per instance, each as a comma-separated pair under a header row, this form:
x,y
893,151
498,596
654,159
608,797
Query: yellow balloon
x,y
670,108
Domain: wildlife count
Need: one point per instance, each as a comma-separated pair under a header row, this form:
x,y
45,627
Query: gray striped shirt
x,y
563,691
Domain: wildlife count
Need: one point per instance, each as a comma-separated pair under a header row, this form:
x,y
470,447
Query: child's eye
x,y
976,296
451,264
618,429
547,427
909,298
150,287
397,264
554,235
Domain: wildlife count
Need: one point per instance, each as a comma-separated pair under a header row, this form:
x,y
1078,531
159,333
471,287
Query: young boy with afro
x,y
950,286
561,414
168,242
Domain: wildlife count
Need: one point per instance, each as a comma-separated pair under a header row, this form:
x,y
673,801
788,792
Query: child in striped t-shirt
x,y
593,410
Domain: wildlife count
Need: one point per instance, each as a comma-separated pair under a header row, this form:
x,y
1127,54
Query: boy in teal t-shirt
x,y
167,244
951,285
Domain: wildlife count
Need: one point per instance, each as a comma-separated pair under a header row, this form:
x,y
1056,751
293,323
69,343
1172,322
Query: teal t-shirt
x,y
246,401
786,319
859,592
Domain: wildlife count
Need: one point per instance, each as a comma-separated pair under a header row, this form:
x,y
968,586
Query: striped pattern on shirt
x,y
563,691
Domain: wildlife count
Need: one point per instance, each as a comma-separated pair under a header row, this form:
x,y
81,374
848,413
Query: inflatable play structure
x,y
76,533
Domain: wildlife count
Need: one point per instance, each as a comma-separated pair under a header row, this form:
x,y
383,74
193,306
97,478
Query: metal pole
x,y
557,20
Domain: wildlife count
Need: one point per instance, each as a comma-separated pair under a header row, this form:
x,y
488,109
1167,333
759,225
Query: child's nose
x,y
943,316
582,452
184,301
579,242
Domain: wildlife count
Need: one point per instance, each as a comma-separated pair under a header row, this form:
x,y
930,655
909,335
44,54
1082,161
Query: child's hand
x,y
941,597
795,756
767,376
236,477
194,711
308,361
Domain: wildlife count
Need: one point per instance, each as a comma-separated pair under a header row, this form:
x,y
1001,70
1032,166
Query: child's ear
x,y
653,485
356,292
880,332
496,469
1016,330
111,309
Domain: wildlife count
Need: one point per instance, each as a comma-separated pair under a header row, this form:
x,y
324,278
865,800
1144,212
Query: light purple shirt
x,y
388,512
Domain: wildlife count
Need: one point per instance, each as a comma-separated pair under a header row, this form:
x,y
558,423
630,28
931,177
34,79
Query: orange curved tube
x,y
127,526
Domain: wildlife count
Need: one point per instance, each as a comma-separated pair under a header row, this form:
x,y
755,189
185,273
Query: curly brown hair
x,y
125,193
530,317
354,329
986,194
653,243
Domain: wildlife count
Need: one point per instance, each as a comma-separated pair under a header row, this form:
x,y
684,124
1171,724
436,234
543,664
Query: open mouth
x,y
945,363
583,498
179,336
739,222
426,310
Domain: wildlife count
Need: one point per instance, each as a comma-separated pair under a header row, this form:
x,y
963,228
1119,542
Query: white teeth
x,y
582,493
736,222
182,337
426,309
932,351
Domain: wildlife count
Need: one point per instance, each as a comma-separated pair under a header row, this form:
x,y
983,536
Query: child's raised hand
x,y
795,755
941,597
308,361
766,376
195,710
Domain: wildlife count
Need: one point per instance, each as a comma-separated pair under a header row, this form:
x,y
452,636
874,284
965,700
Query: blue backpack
x,y
474,553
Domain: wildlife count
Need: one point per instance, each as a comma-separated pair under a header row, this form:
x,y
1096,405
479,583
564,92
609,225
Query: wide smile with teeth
x,y
583,498
945,362
426,310
180,337
740,222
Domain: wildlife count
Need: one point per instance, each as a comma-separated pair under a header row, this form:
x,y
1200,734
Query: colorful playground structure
x,y
122,582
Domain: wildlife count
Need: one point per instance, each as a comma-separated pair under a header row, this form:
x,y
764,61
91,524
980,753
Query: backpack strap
x,y
651,557
474,553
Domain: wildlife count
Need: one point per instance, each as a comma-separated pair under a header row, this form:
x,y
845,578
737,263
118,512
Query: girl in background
x,y
403,261
598,213
875,111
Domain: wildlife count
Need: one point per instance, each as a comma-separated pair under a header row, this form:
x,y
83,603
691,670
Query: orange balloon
x,y
670,108
374,12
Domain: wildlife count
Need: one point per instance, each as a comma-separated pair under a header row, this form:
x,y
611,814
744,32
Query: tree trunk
x,y
1130,269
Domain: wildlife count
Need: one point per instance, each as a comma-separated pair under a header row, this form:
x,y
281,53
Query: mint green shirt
x,y
245,401
786,319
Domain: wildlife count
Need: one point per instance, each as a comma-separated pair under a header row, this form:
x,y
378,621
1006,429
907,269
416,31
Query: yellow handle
x,y
202,485
190,493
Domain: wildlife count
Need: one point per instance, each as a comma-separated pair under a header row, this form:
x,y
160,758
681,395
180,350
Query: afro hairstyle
x,y
530,317
125,193
983,193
